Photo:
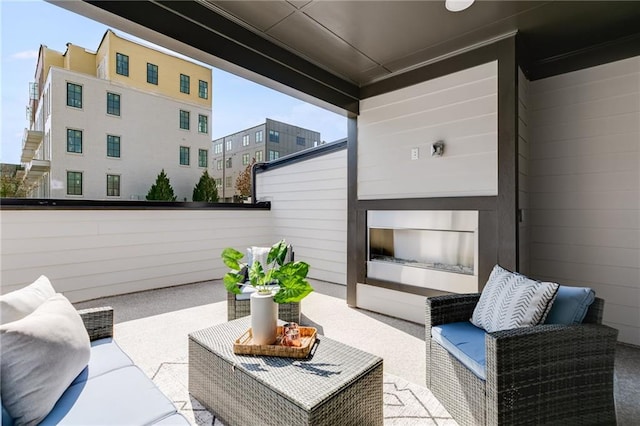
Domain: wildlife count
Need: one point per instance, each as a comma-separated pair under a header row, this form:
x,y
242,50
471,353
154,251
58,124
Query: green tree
x,y
12,187
206,189
243,181
161,190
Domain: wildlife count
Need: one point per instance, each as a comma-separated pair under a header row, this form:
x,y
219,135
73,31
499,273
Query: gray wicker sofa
x,y
111,389
543,374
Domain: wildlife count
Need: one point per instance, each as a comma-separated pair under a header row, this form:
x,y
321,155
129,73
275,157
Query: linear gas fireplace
x,y
430,249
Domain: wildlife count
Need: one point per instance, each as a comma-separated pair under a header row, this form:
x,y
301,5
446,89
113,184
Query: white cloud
x,y
25,54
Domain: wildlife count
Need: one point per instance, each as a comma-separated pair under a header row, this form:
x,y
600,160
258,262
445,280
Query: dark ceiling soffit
x,y
206,30
465,60
481,203
615,50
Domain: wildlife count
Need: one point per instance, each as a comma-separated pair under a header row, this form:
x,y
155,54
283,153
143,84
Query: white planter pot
x,y
264,318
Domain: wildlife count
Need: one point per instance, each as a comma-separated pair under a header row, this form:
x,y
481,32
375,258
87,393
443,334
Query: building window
x,y
113,103
152,74
259,156
122,64
203,157
113,185
184,155
273,155
219,165
184,84
203,89
217,148
74,183
74,95
184,120
229,162
300,141
245,140
203,123
259,136
74,141
229,145
245,159
219,182
113,146
228,181
274,136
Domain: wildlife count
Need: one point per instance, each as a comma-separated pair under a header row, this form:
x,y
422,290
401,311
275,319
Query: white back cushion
x,y
40,355
20,303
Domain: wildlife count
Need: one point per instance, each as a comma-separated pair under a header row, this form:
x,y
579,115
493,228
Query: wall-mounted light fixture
x,y
457,5
437,149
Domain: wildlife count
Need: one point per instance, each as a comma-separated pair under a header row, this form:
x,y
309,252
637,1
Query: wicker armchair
x,y
546,374
289,312
98,322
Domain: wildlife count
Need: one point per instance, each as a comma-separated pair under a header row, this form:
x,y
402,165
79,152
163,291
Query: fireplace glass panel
x,y
449,251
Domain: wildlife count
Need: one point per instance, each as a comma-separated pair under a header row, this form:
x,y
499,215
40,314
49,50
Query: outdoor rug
x,y
405,403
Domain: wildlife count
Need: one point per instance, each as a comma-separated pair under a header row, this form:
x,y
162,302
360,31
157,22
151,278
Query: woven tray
x,y
245,346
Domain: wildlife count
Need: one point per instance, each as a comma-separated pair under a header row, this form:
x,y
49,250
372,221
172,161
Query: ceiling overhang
x,y
334,53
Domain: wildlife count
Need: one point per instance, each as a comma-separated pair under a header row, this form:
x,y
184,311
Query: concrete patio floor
x,y
169,314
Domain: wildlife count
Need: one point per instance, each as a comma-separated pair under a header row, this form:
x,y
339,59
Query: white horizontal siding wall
x,y
585,186
309,209
460,109
95,253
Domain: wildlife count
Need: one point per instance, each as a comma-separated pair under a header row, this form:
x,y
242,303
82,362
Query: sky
x,y
237,103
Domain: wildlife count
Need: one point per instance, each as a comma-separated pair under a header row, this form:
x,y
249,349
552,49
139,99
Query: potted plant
x,y
275,282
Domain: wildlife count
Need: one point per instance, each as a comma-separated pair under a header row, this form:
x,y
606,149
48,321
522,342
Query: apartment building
x,y
104,124
265,142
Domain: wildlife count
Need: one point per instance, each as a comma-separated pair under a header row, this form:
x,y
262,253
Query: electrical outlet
x,y
414,153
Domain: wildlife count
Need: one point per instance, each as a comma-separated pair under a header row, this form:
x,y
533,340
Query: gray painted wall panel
x,y
524,154
585,186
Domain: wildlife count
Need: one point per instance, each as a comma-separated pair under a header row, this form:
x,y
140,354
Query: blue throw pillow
x,y
571,305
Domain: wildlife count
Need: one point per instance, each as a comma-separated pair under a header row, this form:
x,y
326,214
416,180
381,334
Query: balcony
x,y
30,143
160,268
35,169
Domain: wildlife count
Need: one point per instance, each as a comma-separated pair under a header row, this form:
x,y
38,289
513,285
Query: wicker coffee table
x,y
336,385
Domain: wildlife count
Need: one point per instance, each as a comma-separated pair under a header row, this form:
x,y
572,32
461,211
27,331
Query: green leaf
x,y
300,269
278,252
231,282
293,290
230,257
256,274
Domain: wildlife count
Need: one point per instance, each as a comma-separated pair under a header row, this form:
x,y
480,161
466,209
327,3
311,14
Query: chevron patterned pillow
x,y
511,300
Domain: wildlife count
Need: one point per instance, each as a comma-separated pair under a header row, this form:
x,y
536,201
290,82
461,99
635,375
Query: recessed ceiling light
x,y
457,5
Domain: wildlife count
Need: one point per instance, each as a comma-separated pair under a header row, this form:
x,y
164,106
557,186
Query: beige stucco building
x,y
104,124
